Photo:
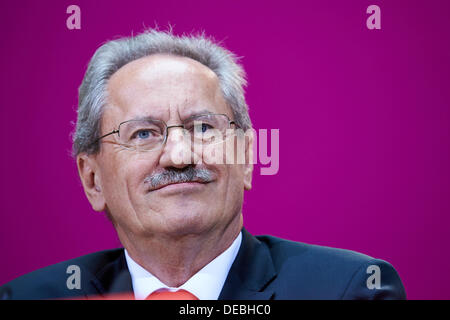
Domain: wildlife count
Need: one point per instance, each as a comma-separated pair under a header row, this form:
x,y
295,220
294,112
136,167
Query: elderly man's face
x,y
168,88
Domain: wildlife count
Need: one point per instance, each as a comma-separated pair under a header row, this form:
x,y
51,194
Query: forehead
x,y
162,86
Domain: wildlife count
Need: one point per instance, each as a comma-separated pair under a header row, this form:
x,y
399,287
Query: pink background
x,y
363,118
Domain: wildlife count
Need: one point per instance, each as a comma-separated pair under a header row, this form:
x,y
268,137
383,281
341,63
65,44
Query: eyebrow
x,y
198,112
189,115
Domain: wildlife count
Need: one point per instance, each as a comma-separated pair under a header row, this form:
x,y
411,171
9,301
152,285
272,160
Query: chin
x,y
186,223
176,221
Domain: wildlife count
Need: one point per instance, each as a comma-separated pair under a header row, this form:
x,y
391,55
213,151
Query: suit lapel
x,y
113,278
250,273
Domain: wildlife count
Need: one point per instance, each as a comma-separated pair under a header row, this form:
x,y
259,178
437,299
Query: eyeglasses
x,y
149,134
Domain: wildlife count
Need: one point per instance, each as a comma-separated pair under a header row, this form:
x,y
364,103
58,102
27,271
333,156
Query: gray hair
x,y
112,55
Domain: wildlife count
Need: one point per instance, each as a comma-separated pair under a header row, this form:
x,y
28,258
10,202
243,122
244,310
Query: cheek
x,y
232,178
235,189
237,177
124,178
113,185
217,154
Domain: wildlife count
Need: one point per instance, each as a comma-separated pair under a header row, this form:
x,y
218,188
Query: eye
x,y
143,134
202,127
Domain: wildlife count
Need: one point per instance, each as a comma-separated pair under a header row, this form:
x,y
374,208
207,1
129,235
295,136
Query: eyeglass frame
x,y
166,134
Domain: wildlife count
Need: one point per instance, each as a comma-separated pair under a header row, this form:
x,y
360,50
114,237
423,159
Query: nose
x,y
178,150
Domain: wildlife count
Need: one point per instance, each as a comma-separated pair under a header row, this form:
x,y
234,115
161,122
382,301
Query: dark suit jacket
x,y
266,267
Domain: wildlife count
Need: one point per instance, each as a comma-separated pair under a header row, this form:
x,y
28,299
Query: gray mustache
x,y
173,175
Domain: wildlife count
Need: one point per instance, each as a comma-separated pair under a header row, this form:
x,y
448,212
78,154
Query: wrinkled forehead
x,y
163,87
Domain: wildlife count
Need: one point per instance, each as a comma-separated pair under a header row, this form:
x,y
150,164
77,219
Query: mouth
x,y
181,186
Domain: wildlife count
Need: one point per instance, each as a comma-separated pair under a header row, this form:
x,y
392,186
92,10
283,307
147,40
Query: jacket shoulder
x,y
307,271
283,249
52,281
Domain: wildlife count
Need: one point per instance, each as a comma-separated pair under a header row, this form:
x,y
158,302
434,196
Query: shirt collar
x,y
206,284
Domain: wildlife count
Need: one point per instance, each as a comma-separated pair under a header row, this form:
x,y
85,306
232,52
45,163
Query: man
x,y
145,104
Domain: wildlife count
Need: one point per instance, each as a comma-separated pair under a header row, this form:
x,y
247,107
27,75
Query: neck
x,y
174,260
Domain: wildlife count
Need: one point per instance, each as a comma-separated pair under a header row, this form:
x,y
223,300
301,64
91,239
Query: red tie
x,y
164,294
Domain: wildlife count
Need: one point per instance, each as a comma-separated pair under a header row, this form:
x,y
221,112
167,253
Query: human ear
x,y
91,180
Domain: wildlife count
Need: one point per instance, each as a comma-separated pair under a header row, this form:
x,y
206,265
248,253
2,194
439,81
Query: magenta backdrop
x,y
363,118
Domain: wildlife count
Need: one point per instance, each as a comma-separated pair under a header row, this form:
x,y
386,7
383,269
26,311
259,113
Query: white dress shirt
x,y
205,284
